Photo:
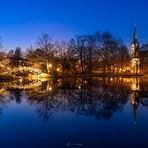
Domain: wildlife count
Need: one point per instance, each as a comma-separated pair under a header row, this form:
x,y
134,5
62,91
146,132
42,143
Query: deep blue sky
x,y
22,21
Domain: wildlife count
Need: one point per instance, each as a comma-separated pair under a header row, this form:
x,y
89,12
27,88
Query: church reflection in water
x,y
139,94
98,97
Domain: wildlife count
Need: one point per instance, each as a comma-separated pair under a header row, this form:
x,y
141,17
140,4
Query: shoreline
x,y
101,75
7,77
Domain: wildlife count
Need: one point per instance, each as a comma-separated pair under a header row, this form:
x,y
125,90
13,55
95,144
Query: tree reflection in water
x,y
16,94
4,99
98,97
88,97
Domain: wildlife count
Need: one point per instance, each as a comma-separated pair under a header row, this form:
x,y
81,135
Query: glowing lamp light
x,y
50,65
58,69
50,89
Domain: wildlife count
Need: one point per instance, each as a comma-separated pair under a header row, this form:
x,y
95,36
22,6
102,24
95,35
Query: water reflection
x,y
95,97
139,95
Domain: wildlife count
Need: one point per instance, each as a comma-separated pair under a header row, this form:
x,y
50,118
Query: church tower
x,y
135,45
135,61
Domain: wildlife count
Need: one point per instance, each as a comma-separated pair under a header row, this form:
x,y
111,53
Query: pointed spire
x,y
135,33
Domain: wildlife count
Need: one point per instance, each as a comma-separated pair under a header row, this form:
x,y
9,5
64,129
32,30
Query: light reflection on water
x,y
74,112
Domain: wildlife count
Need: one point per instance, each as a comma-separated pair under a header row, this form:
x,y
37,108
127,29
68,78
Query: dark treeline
x,y
96,53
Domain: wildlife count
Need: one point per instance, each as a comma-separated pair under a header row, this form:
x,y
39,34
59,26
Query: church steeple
x,y
135,34
135,45
135,60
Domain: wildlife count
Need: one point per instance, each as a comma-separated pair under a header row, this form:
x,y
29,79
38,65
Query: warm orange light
x,y
50,88
50,65
58,69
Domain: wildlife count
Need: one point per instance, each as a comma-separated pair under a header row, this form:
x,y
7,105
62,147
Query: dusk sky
x,y
22,21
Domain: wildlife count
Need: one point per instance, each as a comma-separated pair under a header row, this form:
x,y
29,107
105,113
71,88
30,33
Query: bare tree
x,y
44,52
4,61
15,57
78,44
46,47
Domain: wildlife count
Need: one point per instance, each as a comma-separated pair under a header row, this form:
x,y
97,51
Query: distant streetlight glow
x,y
50,65
50,88
58,69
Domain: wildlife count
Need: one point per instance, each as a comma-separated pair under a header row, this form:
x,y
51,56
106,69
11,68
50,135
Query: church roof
x,y
144,48
143,54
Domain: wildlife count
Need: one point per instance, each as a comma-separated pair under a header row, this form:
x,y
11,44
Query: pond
x,y
74,112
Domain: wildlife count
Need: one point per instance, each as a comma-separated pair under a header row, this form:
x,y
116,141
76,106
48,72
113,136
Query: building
x,y
139,56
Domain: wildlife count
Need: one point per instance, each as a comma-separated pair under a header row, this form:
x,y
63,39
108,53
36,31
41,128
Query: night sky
x,y
22,21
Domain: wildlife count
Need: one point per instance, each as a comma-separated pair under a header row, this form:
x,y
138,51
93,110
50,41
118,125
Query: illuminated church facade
x,y
139,56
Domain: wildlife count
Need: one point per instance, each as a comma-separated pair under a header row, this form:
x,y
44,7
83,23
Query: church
x,y
139,56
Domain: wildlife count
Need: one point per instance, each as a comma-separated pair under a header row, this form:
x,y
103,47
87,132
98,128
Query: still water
x,y
74,112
